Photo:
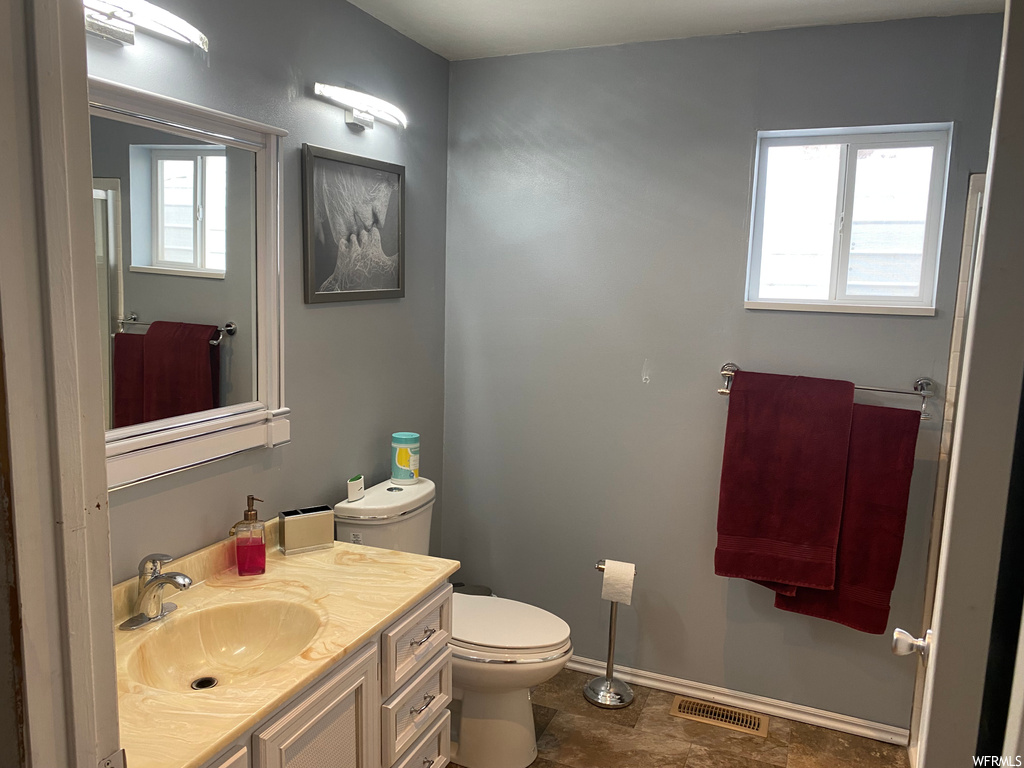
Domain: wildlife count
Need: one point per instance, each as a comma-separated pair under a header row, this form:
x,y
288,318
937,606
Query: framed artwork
x,y
354,234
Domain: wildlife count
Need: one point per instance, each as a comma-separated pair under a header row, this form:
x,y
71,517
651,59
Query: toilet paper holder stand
x,y
606,691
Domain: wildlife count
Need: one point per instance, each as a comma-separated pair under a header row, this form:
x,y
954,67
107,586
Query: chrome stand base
x,y
608,693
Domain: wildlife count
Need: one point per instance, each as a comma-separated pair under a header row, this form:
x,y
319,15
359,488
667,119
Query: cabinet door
x,y
236,758
335,726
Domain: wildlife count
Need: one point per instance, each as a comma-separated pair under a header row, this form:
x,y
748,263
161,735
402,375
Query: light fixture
x,y
118,19
361,109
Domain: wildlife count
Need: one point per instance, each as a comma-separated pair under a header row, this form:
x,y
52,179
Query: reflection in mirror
x,y
175,225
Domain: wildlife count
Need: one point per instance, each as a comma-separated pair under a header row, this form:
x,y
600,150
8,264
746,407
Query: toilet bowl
x,y
500,649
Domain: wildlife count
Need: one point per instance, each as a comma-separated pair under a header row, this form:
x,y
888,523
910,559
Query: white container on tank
x,y
389,516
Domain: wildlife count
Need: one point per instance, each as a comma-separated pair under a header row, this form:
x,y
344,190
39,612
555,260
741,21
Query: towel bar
x,y
923,388
133,319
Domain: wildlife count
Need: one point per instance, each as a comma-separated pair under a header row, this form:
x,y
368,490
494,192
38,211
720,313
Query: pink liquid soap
x,y
251,557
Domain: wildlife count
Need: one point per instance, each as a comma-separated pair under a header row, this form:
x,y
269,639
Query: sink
x,y
227,643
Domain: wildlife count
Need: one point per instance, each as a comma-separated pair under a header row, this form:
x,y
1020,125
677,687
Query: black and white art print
x,y
354,235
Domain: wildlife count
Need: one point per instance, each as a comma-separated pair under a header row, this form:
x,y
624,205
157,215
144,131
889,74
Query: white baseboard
x,y
819,717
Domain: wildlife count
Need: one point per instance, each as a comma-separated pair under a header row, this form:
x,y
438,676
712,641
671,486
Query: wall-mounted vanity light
x,y
117,20
361,109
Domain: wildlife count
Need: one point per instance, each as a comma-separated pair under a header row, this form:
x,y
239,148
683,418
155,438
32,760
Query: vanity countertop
x,y
356,591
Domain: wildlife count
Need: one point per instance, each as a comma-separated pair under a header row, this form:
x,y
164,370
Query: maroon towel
x,y
881,462
127,379
182,370
783,476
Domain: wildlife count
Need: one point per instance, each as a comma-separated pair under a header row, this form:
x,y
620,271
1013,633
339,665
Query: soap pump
x,y
250,543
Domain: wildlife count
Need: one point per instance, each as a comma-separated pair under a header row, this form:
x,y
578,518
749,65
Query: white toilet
x,y
500,648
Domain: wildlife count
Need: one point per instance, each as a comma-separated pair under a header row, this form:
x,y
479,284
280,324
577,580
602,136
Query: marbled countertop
x,y
356,591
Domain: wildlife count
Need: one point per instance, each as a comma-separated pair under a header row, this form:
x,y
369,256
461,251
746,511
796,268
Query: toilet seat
x,y
497,630
484,655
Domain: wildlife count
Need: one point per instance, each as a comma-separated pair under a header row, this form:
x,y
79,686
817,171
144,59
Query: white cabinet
x,y
334,726
237,757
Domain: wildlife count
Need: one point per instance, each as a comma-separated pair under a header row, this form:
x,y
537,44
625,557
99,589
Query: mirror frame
x,y
144,451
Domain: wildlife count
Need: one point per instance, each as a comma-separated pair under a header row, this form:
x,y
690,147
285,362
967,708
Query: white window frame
x,y
935,135
198,157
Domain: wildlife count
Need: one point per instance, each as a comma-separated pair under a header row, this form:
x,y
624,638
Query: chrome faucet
x,y
149,604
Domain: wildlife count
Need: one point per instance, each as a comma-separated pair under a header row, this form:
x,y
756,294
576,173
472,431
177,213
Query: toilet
x,y
500,648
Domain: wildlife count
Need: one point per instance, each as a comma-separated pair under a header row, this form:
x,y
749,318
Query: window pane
x,y
177,183
799,221
890,206
215,212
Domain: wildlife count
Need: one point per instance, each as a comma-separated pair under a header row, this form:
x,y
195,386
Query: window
x,y
848,220
189,210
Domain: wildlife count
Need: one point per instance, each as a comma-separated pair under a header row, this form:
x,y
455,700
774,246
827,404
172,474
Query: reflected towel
x,y
182,370
880,466
127,395
783,476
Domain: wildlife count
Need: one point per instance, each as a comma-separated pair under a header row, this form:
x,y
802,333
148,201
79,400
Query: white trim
x,y
860,309
798,712
175,113
856,130
50,318
170,445
210,274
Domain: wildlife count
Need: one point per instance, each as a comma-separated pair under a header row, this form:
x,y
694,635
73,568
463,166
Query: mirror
x,y
184,253
186,223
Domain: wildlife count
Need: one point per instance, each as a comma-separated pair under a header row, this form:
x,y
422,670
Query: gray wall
x,y
262,65
598,213
181,298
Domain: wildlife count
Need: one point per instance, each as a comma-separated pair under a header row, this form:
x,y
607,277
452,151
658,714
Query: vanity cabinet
x,y
383,706
238,757
334,725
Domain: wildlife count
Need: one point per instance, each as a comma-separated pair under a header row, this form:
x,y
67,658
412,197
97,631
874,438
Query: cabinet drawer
x,y
433,749
410,643
412,710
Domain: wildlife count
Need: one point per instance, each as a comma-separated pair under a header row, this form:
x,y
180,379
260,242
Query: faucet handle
x,y
149,566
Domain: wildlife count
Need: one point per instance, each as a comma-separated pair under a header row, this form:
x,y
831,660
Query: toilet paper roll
x,y
617,585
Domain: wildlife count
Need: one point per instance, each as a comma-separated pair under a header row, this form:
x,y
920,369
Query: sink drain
x,y
202,683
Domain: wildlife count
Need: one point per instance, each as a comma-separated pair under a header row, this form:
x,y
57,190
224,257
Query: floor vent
x,y
727,717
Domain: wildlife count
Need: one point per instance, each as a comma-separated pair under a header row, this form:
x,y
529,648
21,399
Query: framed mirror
x,y
187,225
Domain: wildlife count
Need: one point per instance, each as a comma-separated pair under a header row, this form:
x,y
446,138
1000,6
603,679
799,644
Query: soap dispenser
x,y
250,544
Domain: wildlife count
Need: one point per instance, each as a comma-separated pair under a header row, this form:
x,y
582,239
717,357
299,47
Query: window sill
x,y
859,309
178,272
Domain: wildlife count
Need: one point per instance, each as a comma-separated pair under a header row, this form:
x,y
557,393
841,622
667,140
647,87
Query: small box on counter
x,y
306,529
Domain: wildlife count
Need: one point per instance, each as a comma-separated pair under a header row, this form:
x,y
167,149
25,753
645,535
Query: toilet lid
x,y
494,622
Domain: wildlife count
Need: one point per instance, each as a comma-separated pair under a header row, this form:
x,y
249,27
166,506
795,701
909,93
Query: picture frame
x,y
353,211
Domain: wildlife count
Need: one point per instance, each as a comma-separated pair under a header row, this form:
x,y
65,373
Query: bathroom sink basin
x,y
226,643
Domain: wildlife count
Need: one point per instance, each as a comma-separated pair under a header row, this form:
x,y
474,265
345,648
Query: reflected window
x,y
189,209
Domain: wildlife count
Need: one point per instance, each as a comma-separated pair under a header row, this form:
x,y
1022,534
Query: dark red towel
x,y
182,370
783,475
127,379
882,445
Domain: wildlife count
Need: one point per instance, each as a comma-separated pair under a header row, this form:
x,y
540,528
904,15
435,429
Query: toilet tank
x,y
389,516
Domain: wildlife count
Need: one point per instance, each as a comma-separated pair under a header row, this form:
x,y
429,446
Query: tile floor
x,y
572,733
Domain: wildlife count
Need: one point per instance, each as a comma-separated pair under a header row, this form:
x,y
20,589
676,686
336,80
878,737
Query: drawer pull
x,y
427,700
428,762
427,634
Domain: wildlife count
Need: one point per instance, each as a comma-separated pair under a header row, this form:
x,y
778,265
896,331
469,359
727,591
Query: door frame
x,y
48,317
983,442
